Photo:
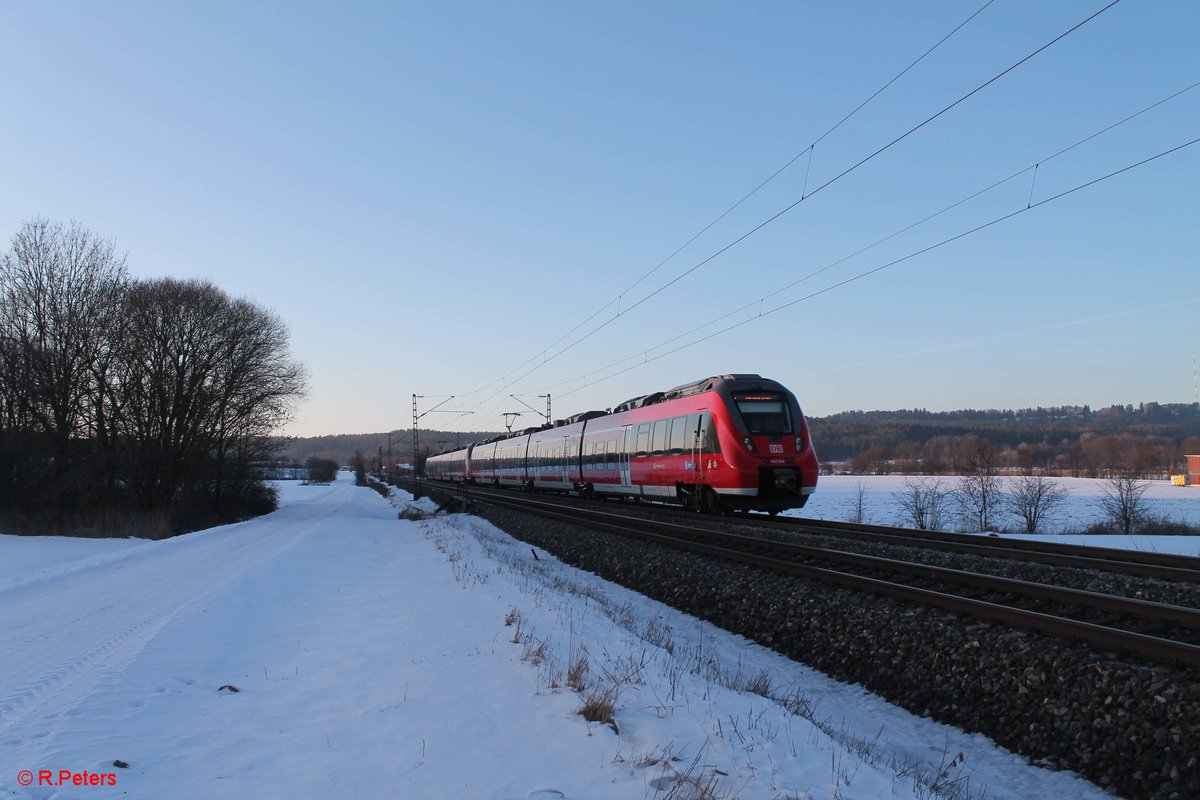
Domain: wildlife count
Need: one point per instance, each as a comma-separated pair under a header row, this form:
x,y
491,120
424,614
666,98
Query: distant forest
x,y
375,447
1149,439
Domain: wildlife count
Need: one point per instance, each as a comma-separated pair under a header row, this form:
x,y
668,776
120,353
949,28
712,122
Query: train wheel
x,y
711,501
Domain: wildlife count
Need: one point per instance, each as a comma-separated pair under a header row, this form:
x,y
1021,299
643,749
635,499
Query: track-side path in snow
x,y
66,629
361,666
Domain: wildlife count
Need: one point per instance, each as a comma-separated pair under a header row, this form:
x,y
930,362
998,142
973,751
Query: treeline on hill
x,y
1148,440
376,448
131,406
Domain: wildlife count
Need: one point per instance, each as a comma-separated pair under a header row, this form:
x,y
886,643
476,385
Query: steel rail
x,y
1141,564
1135,607
1091,551
996,548
1143,645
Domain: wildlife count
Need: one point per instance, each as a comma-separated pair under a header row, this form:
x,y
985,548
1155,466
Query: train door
x,y
699,425
626,444
535,463
565,461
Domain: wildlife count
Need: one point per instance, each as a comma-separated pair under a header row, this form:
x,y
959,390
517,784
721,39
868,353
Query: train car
x,y
553,463
510,463
726,442
481,464
729,442
448,466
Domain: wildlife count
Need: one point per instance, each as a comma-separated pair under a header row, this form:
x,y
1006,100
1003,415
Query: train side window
x,y
693,431
660,437
679,438
643,440
708,434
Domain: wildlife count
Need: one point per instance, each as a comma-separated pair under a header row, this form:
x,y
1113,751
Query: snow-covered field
x,y
836,497
375,657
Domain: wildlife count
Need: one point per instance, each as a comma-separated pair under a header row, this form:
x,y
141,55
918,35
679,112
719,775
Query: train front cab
x,y
765,442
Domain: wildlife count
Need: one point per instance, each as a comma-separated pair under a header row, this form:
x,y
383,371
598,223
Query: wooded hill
x,y
1150,438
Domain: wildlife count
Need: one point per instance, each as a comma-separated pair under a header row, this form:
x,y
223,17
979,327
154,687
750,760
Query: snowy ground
x,y
377,657
836,494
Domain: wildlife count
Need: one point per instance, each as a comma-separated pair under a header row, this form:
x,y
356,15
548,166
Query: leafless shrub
x,y
856,506
923,503
1123,503
1032,498
979,489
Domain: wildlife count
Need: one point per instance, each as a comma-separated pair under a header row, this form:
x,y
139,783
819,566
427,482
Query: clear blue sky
x,y
433,193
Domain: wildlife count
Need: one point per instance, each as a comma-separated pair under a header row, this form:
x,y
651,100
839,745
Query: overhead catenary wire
x,y
894,262
774,217
997,337
504,380
642,355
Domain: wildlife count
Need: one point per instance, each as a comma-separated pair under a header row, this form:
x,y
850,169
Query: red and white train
x,y
730,442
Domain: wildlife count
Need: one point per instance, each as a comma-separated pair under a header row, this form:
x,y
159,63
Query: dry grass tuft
x,y
599,706
534,651
760,684
577,674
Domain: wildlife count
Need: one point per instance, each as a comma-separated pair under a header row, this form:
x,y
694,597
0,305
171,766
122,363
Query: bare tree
x,y
152,394
206,379
1124,503
979,488
856,506
60,290
1032,498
923,503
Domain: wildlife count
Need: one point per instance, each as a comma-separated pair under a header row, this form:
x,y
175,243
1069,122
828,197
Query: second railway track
x,y
1153,631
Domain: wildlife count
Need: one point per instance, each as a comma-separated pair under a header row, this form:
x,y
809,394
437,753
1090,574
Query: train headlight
x,y
746,440
799,444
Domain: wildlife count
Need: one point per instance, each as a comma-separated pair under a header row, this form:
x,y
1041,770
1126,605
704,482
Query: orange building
x,y
1193,470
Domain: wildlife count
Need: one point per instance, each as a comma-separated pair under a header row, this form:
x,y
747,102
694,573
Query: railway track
x,y
1154,631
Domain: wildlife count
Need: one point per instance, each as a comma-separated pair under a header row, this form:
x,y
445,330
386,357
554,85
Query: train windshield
x,y
764,414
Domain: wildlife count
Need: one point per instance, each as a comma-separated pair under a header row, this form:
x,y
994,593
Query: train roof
x,y
729,382
732,381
